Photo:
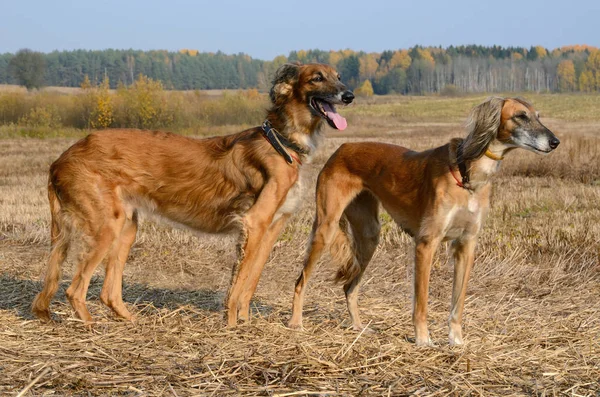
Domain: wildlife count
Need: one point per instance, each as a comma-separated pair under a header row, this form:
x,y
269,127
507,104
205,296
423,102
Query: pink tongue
x,y
339,121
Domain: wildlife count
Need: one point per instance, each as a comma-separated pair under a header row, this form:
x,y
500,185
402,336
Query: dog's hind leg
x,y
60,241
104,223
363,216
262,255
112,290
464,254
333,195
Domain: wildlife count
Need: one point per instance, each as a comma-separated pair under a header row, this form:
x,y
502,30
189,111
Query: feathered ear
x,y
482,126
285,77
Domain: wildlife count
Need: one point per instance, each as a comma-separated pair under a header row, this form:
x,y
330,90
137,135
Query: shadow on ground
x,y
17,294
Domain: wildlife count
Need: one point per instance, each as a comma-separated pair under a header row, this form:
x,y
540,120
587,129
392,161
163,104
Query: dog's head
x,y
309,94
512,122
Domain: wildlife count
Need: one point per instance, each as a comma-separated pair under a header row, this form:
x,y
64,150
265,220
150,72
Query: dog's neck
x,y
482,169
307,138
478,172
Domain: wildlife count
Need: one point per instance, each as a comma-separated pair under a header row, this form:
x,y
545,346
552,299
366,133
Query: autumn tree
x,y
28,68
566,75
537,52
400,59
368,66
589,80
97,103
334,58
365,90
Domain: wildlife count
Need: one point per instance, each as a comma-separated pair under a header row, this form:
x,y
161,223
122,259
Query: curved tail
x,y
343,253
60,239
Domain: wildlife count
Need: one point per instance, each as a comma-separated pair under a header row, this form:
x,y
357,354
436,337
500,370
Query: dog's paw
x,y
364,329
295,326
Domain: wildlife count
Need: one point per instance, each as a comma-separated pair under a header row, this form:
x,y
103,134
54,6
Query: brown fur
x,y
215,185
421,194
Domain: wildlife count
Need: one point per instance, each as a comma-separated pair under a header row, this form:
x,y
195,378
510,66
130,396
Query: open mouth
x,y
327,111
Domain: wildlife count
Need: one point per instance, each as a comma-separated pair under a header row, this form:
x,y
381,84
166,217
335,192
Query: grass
x,y
532,315
568,107
62,113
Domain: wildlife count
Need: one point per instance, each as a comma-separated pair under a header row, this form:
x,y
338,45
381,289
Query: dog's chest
x,y
464,221
292,199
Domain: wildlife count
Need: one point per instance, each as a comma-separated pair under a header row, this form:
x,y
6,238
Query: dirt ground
x,y
532,315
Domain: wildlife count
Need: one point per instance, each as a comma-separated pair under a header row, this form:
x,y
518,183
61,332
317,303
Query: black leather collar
x,y
279,142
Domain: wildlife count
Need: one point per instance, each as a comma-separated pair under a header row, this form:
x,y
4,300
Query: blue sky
x,y
265,29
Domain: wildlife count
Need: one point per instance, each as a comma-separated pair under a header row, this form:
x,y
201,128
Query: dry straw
x,y
532,315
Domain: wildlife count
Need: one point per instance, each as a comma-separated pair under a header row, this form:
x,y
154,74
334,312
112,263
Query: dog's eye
x,y
522,117
317,79
339,77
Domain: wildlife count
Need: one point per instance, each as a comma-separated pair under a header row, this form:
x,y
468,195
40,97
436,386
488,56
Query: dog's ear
x,y
482,126
285,77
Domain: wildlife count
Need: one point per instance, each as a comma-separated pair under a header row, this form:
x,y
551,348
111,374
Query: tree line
x,y
418,70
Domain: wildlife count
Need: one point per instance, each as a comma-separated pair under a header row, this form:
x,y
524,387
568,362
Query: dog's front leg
x,y
464,254
258,264
256,224
424,250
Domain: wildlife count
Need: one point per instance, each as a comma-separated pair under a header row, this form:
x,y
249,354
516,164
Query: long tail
x,y
60,238
343,253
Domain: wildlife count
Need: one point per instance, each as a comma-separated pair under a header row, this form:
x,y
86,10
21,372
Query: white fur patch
x,y
292,200
473,204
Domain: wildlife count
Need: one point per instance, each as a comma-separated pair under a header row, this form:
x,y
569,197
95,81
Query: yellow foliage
x,y
188,52
589,80
278,61
46,116
578,48
251,94
334,58
86,84
566,75
593,61
97,103
516,56
400,59
102,115
368,66
425,55
540,51
145,104
365,90
586,81
301,55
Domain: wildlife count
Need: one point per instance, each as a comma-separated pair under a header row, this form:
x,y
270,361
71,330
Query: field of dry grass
x,y
532,315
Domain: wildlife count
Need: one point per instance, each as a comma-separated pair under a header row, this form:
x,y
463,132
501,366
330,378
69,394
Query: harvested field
x,y
532,315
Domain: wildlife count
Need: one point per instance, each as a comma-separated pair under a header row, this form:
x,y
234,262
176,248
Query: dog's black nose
x,y
347,97
554,142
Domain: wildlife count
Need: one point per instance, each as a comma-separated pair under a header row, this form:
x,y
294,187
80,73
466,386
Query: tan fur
x,y
215,185
421,194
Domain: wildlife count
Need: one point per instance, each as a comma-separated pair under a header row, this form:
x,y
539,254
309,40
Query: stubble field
x,y
532,314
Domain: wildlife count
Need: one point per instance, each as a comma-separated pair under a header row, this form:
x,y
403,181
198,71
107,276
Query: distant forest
x,y
418,70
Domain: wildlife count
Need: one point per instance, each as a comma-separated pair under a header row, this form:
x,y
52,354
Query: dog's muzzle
x,y
347,97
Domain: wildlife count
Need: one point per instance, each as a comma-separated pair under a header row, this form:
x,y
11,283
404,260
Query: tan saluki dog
x,y
247,182
436,195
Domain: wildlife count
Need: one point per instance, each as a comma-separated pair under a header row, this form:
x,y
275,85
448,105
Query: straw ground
x,y
532,315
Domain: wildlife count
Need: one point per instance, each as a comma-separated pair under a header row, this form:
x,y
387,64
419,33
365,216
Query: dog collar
x,y
279,143
493,156
459,183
